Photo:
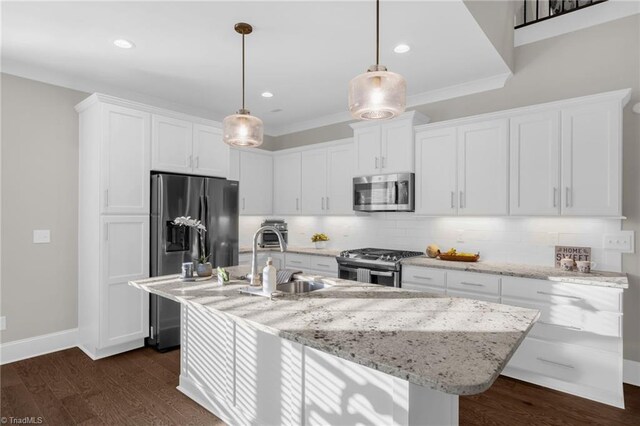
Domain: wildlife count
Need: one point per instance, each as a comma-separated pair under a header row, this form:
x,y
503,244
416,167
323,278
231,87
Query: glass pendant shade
x,y
377,94
242,129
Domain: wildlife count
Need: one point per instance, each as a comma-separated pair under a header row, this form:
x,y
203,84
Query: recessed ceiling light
x,y
267,95
402,48
124,44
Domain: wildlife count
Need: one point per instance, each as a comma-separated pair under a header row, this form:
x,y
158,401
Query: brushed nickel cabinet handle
x,y
453,196
460,202
559,364
420,277
566,196
243,204
197,161
376,162
297,203
383,162
322,264
555,196
322,204
471,284
559,295
327,203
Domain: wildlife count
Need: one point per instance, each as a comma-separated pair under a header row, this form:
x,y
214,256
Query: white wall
x,y
510,240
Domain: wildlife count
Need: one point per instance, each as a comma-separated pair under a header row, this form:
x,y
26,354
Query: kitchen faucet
x,y
254,275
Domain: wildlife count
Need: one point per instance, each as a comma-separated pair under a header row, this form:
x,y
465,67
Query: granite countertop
x,y
297,250
454,345
596,278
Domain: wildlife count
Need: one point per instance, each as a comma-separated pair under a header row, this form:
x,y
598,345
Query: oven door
x,y
393,192
366,275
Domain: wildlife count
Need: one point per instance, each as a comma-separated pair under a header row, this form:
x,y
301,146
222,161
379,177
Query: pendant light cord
x,y
377,32
242,71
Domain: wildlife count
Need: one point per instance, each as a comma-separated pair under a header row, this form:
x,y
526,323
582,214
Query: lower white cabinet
x,y
576,344
114,316
276,257
307,263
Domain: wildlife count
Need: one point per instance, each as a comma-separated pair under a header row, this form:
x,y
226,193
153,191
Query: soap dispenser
x,y
269,277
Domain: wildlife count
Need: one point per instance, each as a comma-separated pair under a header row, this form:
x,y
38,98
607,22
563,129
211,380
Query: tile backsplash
x,y
511,239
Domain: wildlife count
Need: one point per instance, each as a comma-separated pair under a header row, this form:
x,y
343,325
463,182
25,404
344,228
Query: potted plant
x,y
320,240
203,267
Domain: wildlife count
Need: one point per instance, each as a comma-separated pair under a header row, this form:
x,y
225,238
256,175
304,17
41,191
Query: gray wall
x,y
495,17
39,191
597,59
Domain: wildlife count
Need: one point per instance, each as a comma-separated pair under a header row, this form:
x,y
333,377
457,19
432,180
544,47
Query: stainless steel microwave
x,y
384,193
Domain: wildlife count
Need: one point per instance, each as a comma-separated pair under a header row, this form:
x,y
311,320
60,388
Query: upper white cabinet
x,y
256,182
436,172
339,180
171,144
181,146
314,181
210,153
483,168
535,164
592,159
287,183
123,160
386,147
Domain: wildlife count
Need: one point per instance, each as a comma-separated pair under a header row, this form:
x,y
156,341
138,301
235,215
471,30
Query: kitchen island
x,y
352,353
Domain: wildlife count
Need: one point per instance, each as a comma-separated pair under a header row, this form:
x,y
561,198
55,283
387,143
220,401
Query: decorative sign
x,y
575,253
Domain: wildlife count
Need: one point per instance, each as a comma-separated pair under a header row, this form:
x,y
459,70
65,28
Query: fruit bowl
x,y
459,257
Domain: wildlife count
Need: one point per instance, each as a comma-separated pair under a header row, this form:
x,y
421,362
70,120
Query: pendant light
x,y
241,128
377,94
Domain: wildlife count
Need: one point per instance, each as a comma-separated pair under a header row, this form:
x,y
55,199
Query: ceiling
x,y
187,55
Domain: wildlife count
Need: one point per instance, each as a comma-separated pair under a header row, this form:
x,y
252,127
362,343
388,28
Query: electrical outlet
x,y
460,236
3,323
41,236
622,241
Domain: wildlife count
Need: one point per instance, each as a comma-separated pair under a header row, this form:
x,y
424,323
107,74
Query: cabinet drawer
x,y
474,283
473,295
294,261
558,293
569,363
573,317
427,276
423,287
323,263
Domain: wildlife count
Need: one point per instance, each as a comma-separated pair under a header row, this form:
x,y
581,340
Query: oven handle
x,y
372,272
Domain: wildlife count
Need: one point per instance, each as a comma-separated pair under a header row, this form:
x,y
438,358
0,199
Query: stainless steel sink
x,y
299,286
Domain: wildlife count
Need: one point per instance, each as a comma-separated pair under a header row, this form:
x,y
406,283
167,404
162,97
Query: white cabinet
x,y
123,160
367,146
314,181
463,169
592,159
171,144
386,147
124,314
436,172
256,183
287,176
180,146
339,180
210,153
535,164
483,168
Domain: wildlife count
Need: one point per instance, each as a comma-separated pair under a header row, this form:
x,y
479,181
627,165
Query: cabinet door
x,y
339,180
286,183
367,145
436,166
124,310
591,160
171,145
535,164
482,168
314,181
210,153
256,183
397,143
125,161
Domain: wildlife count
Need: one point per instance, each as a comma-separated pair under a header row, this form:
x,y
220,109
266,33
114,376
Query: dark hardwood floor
x,y
138,387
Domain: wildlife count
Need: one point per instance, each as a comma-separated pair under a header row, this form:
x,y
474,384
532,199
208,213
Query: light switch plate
x,y
622,241
41,236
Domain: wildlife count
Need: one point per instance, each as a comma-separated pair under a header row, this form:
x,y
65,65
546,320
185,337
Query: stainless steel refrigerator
x,y
215,202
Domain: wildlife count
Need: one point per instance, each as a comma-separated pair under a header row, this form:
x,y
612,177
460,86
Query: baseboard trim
x,y
38,345
631,372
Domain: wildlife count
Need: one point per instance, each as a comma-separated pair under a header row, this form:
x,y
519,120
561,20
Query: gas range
x,y
375,258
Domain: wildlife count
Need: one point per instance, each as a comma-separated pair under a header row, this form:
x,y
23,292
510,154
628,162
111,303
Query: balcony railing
x,y
531,11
